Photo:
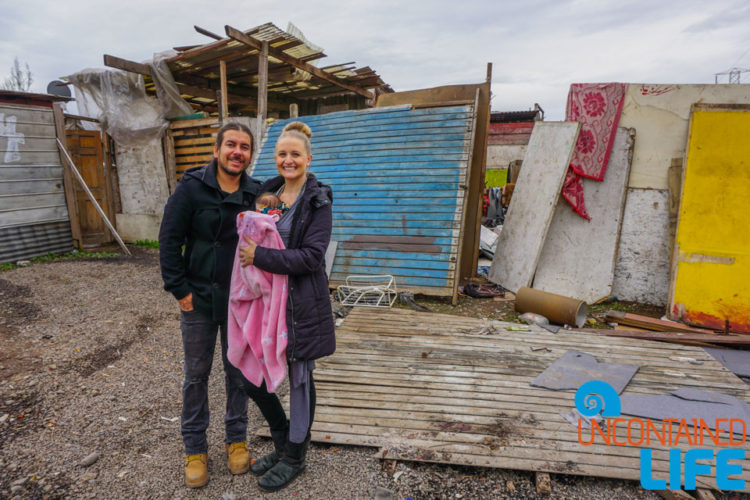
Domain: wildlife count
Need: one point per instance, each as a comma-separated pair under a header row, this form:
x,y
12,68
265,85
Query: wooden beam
x,y
82,118
199,50
169,161
650,323
211,94
207,33
262,89
224,105
675,337
70,195
124,64
280,55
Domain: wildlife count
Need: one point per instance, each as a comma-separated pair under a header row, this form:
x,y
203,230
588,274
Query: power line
x,y
734,75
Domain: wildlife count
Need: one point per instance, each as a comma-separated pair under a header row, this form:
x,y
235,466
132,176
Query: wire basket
x,y
368,291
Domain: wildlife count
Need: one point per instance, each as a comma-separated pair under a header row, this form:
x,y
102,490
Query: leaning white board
x,y
533,203
330,256
578,259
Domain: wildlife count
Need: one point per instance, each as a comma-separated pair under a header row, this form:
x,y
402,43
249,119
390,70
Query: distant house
x,y
508,136
34,216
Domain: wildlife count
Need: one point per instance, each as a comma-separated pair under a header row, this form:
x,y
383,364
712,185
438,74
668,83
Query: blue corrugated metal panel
x,y
396,175
33,213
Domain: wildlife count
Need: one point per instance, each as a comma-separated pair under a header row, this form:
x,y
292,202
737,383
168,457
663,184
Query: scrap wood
x,y
676,337
658,325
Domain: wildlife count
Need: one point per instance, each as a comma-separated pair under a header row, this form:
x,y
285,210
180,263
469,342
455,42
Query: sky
x,y
537,47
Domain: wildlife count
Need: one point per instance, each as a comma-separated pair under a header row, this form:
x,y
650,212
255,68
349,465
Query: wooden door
x,y
85,148
710,282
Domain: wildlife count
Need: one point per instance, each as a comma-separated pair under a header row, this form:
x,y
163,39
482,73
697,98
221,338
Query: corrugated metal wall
x,y
33,214
398,177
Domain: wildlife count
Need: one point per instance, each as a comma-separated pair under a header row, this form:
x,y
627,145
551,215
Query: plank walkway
x,y
433,388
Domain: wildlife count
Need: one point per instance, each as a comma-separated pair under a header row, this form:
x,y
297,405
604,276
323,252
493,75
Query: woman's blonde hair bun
x,y
298,127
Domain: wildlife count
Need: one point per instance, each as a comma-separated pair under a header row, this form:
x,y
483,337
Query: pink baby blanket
x,y
256,325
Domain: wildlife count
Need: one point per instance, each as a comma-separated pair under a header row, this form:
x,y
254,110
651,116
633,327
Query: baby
x,y
270,204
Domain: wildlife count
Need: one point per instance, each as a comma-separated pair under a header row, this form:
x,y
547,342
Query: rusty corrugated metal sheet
x,y
398,177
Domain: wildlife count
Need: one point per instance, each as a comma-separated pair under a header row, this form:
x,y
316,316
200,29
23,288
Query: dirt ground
x,y
91,368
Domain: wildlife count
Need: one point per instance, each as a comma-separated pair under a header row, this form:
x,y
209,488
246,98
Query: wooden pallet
x,y
427,387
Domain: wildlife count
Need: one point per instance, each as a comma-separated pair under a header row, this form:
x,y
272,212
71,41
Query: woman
x,y
305,229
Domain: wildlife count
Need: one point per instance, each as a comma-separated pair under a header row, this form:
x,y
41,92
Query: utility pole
x,y
733,75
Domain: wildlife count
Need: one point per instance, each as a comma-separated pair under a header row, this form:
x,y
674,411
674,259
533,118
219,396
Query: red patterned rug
x,y
597,106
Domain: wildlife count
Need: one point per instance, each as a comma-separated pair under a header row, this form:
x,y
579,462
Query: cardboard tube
x,y
557,308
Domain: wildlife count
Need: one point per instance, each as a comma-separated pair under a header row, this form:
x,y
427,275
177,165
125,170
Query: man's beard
x,y
230,172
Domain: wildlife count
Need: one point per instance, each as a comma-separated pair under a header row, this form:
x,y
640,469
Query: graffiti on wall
x,y
14,138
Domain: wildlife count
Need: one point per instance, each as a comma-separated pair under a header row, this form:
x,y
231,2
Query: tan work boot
x,y
196,472
238,457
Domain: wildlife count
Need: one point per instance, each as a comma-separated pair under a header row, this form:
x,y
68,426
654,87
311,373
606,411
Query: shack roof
x,y
514,116
196,70
30,98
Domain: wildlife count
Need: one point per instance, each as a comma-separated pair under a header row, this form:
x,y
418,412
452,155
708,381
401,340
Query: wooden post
x,y
457,278
223,105
293,110
169,161
108,174
79,177
111,172
489,72
262,90
70,193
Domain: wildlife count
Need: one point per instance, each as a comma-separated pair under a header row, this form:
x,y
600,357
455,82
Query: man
x,y
200,215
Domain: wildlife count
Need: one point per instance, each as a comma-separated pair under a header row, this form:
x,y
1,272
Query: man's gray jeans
x,y
199,341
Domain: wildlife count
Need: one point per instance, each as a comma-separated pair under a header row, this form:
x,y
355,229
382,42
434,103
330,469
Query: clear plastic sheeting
x,y
172,103
118,100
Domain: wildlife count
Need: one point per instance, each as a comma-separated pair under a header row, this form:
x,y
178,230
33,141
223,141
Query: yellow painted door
x,y
710,283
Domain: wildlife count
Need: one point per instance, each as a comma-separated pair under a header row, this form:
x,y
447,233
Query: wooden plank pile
x,y
447,389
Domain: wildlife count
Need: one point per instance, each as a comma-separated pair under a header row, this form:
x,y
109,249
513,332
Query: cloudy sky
x,y
537,47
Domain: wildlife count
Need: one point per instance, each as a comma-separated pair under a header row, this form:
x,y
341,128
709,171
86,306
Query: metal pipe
x,y
556,308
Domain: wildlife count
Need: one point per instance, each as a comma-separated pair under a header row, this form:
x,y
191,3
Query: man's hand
x,y
186,303
247,252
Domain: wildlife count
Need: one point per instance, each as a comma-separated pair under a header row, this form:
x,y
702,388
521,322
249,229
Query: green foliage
x,y
147,243
75,254
613,304
495,177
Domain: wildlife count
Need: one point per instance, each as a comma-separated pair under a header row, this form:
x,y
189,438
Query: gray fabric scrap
x,y
575,368
737,362
689,404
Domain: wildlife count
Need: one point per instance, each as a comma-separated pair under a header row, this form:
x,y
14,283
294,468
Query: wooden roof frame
x,y
224,73
236,34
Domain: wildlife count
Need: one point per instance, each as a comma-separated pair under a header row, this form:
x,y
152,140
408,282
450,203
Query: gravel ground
x,y
91,371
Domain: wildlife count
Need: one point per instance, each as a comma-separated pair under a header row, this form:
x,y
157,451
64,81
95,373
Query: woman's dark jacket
x,y
309,316
202,218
